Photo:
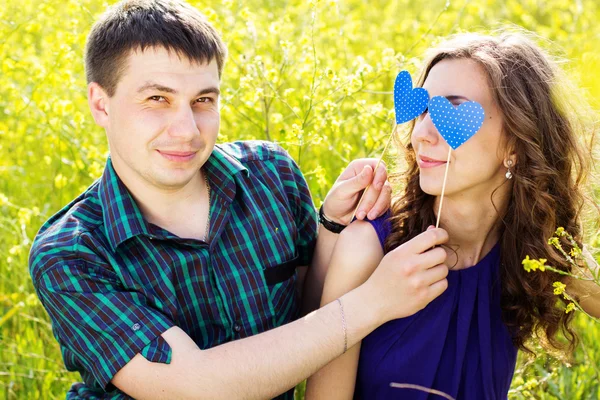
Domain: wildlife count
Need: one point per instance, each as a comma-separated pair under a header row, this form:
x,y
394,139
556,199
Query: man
x,y
174,275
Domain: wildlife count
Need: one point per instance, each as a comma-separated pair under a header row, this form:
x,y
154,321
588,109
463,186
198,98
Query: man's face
x,y
163,120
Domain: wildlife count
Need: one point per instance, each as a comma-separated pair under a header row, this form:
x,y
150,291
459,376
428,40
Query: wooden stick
x,y
374,172
437,224
421,388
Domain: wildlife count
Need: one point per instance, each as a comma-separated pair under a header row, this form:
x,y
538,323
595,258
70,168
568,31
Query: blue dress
x,y
458,344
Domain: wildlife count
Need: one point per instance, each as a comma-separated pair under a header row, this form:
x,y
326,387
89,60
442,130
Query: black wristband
x,y
329,224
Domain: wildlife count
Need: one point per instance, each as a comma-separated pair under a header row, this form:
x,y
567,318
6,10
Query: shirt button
x,y
237,328
136,327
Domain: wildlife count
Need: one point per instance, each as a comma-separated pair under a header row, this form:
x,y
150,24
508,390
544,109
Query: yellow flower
x,y
575,252
527,264
15,250
24,216
570,307
560,231
533,265
559,288
542,264
554,242
329,73
297,131
60,181
288,92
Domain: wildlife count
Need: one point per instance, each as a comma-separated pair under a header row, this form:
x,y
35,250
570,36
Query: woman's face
x,y
477,167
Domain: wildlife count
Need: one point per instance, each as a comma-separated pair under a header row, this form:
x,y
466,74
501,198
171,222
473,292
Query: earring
x,y
509,174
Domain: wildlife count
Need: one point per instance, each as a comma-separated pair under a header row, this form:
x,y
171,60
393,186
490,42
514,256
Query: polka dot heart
x,y
409,103
456,124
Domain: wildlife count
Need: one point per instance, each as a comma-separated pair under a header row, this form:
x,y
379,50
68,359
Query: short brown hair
x,y
139,24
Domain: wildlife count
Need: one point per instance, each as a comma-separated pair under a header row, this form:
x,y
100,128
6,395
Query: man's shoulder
x,y
247,151
59,236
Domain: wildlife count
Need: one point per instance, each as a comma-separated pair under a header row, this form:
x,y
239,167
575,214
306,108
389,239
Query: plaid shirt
x,y
113,282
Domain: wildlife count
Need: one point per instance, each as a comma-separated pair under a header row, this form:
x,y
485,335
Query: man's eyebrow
x,y
162,88
213,89
156,86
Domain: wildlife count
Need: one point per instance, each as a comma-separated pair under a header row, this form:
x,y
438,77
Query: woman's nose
x,y
425,131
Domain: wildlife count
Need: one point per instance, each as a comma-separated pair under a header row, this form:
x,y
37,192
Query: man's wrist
x,y
362,315
329,223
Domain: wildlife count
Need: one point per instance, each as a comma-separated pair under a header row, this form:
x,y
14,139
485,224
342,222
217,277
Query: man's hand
x,y
410,276
343,197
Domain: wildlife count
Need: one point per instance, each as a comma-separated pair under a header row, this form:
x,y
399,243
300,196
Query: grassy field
x,y
315,76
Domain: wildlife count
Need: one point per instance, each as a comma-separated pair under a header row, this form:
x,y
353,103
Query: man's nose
x,y
184,123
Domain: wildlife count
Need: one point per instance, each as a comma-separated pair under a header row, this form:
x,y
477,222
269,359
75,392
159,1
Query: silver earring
x,y
509,174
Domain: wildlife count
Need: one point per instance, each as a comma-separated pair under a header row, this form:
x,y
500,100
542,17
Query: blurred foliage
x,y
315,76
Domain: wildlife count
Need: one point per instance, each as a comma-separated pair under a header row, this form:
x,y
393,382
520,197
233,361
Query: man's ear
x,y
98,102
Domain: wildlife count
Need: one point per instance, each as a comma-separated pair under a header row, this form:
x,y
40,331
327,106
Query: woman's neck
x,y
473,225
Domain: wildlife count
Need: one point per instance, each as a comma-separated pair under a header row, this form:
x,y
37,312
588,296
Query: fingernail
x,y
430,227
361,215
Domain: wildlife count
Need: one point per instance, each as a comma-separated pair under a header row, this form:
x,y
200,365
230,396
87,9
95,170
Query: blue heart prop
x,y
456,124
409,103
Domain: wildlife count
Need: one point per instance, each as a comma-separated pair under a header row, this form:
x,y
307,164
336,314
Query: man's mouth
x,y
177,156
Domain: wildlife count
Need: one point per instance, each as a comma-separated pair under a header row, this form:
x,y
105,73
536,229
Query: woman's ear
x,y
510,160
510,154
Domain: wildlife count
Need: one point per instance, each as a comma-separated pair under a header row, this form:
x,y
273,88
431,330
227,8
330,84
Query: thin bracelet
x,y
343,325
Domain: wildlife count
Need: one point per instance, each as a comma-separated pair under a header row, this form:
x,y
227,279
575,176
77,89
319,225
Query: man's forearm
x,y
270,363
315,277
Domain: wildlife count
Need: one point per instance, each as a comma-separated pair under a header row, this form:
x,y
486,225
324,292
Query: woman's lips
x,y
178,156
426,162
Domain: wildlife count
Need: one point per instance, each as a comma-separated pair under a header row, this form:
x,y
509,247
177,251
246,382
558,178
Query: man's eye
x,y
157,98
205,100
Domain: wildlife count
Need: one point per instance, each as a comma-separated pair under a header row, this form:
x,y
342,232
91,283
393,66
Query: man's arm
x,y
272,362
339,206
356,256
257,367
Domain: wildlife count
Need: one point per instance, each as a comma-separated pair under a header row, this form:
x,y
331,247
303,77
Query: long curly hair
x,y
541,128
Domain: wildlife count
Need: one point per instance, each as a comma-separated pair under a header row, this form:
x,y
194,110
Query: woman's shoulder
x,y
356,255
363,236
381,226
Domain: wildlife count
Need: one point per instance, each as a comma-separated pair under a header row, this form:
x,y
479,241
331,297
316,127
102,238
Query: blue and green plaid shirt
x,y
113,282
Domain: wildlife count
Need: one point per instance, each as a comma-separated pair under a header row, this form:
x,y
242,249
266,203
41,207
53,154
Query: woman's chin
x,y
431,187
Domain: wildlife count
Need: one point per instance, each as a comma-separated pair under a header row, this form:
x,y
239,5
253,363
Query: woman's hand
x,y
342,199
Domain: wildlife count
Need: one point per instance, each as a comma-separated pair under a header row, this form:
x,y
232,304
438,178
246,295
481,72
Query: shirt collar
x,y
221,168
123,218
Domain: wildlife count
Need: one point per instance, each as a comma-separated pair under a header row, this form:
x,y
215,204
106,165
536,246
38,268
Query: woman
x,y
508,188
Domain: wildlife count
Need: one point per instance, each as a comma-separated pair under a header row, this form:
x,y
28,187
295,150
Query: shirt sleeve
x,y
99,326
302,207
